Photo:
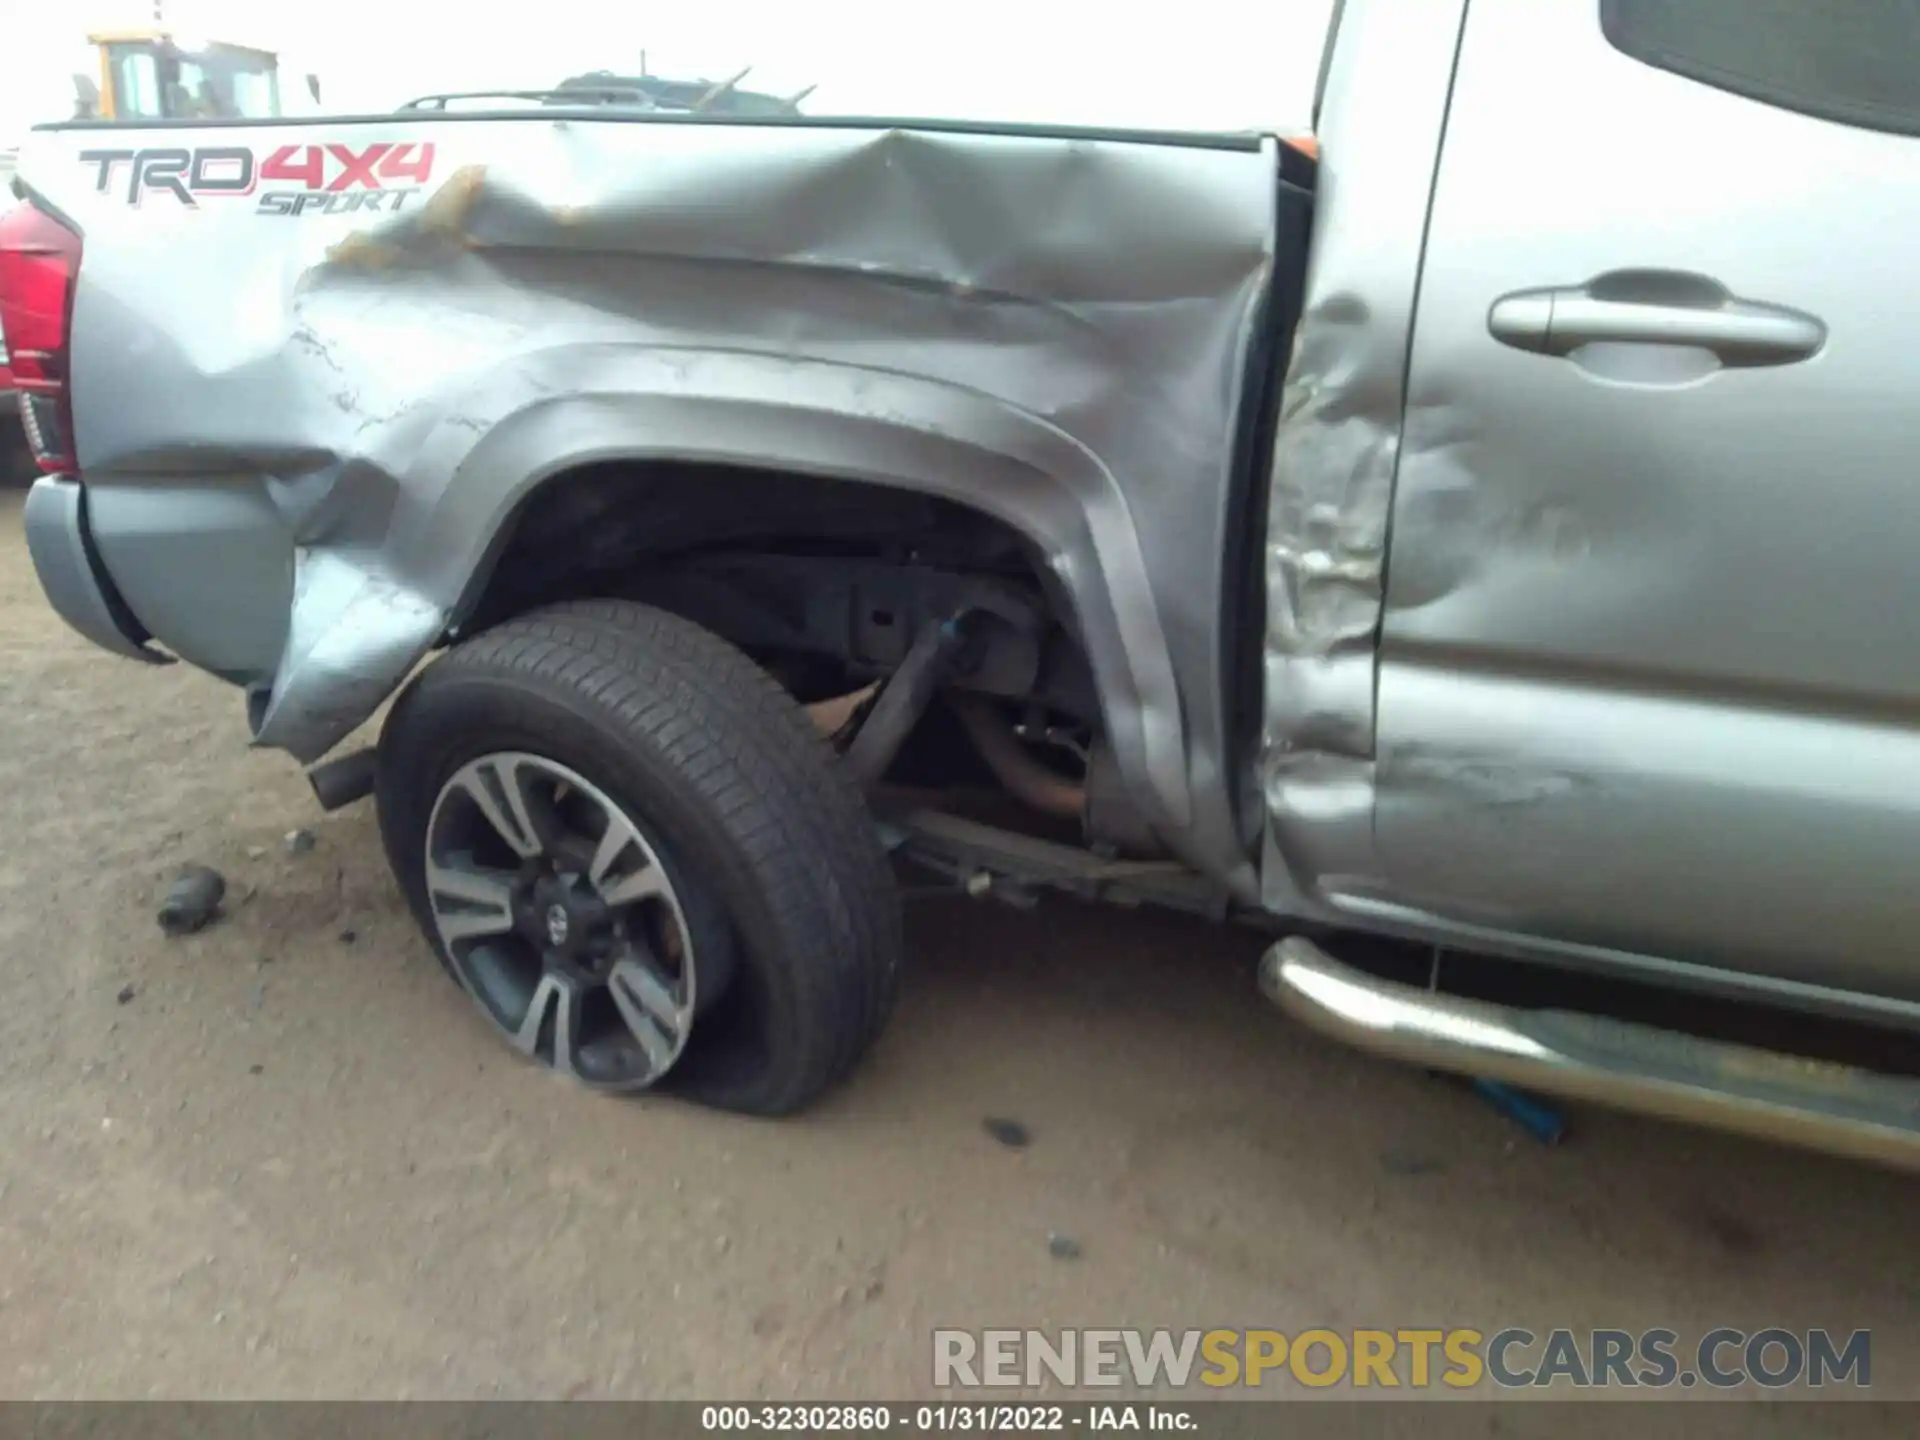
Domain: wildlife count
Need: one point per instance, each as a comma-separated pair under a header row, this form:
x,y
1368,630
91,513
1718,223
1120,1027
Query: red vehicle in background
x,y
6,204
16,468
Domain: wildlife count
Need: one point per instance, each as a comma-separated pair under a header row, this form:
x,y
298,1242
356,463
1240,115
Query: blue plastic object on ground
x,y
1536,1117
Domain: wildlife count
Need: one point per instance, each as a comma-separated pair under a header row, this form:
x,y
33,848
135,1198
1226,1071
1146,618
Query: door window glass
x,y
1854,61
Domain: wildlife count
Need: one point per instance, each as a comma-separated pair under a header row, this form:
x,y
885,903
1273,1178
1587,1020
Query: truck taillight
x,y
39,263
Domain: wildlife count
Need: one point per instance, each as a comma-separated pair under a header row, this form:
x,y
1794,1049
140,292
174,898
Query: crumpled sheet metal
x,y
1332,491
1338,445
1052,328
1326,547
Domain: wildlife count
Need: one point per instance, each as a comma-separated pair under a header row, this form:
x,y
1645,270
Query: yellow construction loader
x,y
155,75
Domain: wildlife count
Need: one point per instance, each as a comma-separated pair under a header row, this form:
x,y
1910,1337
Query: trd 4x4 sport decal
x,y
305,179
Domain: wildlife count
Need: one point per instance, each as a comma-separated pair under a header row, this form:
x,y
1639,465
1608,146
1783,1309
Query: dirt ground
x,y
281,1158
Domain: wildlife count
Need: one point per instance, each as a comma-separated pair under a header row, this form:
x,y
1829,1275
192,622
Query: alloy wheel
x,y
557,915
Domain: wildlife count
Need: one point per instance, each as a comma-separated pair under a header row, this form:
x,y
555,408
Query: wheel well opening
x,y
587,531
827,583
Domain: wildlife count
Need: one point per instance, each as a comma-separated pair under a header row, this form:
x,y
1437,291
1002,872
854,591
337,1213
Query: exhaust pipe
x,y
1025,777
1818,1105
339,783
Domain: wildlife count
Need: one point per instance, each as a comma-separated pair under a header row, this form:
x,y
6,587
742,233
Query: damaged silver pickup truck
x,y
1493,536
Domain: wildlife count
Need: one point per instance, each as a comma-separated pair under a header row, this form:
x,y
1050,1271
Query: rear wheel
x,y
639,859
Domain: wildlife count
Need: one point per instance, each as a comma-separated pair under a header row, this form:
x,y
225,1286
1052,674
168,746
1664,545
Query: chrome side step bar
x,y
1788,1098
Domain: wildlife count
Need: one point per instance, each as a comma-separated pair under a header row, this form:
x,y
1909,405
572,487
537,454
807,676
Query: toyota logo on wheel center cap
x,y
557,924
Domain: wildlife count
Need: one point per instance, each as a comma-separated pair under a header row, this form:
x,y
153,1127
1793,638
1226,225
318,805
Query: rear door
x,y
1650,674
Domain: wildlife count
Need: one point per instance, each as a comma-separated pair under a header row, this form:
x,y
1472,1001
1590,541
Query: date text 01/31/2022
x,y
973,1418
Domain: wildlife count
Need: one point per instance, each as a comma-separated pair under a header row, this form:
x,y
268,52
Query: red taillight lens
x,y
39,263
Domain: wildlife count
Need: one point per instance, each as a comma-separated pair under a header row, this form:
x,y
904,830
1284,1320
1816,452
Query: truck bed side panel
x,y
351,370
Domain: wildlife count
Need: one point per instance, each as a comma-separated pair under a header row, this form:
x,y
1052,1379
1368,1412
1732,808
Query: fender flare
x,y
357,633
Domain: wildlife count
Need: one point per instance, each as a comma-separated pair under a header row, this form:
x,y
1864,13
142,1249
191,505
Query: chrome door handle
x,y
1655,308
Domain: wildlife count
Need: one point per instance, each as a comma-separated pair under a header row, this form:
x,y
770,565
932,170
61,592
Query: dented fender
x,y
1052,328
571,406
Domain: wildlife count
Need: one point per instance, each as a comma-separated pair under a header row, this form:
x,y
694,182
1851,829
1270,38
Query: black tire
x,y
17,470
716,761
